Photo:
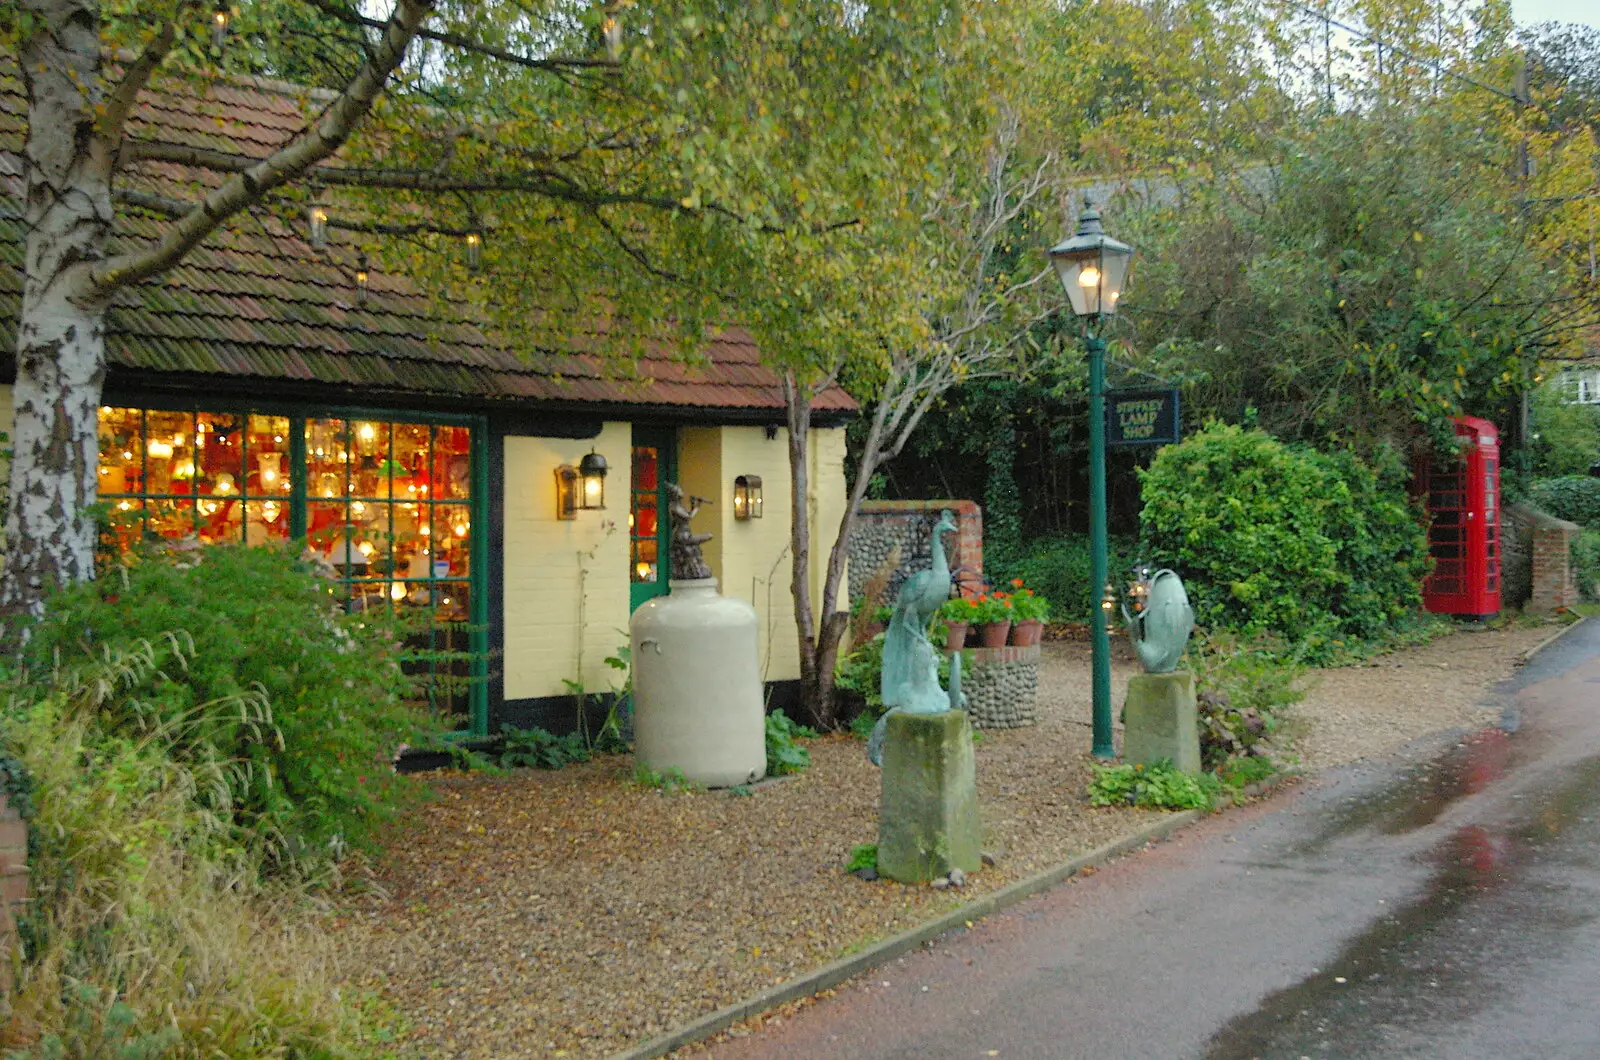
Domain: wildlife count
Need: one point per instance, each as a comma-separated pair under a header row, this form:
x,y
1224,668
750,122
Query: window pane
x,y
121,449
644,561
266,522
327,458
325,526
219,467
452,540
370,468
452,478
269,473
173,519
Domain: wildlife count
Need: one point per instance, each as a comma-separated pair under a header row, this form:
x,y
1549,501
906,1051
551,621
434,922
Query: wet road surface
x,y
1444,905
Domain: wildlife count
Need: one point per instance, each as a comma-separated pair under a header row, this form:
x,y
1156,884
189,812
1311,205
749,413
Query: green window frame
x,y
650,537
464,642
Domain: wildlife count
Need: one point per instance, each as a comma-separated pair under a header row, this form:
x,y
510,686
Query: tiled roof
x,y
255,301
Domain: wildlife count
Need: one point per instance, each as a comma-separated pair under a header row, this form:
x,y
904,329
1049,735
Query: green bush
x,y
1244,688
1057,568
1160,787
1586,563
541,749
265,678
1316,548
152,930
785,753
1575,498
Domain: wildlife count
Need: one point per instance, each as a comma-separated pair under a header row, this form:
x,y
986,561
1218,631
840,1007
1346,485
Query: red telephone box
x,y
1463,502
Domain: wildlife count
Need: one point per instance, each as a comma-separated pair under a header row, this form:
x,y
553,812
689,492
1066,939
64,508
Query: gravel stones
x,y
543,911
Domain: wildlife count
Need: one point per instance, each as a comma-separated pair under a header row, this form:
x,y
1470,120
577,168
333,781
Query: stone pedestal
x,y
928,816
1158,721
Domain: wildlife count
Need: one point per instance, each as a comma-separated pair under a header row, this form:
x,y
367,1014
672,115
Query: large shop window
x,y
386,506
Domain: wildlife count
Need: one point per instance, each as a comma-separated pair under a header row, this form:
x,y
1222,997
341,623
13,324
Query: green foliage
x,y
959,609
993,607
541,749
300,706
863,856
1244,688
862,724
785,753
1160,787
1237,774
1575,498
153,930
1586,563
1566,436
861,672
1315,548
669,781
1058,569
1027,605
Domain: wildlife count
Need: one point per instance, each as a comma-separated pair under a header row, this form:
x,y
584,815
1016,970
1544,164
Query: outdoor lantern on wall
x,y
747,497
581,488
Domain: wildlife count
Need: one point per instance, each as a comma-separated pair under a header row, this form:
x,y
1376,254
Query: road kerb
x,y
1551,639
881,952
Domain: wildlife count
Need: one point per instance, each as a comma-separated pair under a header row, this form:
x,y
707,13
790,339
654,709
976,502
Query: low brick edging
x,y
13,883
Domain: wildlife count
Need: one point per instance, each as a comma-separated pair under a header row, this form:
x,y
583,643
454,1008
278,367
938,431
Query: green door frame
x,y
665,441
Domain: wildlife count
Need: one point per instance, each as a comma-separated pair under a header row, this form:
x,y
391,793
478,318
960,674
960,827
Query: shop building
x,y
269,391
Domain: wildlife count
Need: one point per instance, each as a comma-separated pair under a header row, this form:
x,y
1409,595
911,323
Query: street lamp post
x,y
1092,267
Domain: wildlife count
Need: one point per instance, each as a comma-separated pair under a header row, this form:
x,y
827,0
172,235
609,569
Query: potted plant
x,y
993,616
1030,612
957,614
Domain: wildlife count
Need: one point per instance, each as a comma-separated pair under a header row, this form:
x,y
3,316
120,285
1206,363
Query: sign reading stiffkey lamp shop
x,y
1142,417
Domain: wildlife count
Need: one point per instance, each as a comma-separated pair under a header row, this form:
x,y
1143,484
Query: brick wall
x,y
1547,542
883,524
13,883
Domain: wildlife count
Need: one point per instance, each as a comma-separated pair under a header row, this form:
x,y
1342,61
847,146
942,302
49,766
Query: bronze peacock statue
x,y
910,663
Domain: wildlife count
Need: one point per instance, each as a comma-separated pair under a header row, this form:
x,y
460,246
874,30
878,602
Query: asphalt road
x,y
1444,905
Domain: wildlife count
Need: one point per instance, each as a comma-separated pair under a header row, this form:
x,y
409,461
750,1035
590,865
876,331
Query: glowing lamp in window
x,y
747,497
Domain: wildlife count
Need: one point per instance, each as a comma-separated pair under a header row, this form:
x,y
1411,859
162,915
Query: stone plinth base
x,y
928,817
1158,721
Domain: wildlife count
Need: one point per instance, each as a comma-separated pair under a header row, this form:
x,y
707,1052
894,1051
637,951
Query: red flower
x,y
1016,583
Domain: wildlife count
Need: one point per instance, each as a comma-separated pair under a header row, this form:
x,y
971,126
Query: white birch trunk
x,y
49,534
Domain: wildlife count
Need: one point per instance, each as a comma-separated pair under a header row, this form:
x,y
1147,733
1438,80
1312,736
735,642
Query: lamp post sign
x,y
1142,417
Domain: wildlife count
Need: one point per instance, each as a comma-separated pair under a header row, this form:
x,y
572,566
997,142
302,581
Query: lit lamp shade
x,y
592,470
747,497
581,488
1092,267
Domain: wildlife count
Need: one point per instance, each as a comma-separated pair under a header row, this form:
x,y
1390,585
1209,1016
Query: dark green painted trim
x,y
665,441
182,386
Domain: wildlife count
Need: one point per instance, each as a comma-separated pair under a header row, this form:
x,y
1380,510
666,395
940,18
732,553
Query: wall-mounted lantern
x,y
581,488
747,497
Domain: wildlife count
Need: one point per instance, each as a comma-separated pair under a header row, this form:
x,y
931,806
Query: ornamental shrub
x,y
1575,498
1316,548
1057,568
262,678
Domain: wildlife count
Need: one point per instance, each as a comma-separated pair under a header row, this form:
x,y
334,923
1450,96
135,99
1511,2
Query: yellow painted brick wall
x,y
700,475
754,562
550,564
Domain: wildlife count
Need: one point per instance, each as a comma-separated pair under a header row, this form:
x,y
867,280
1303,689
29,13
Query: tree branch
x,y
137,76
296,158
456,40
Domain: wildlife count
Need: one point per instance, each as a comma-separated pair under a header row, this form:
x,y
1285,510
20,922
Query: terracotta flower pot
x,y
1026,634
957,636
994,634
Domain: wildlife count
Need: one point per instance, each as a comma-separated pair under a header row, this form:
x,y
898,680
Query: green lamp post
x,y
1092,267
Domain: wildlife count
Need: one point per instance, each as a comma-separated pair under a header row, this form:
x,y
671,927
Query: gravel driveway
x,y
573,914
